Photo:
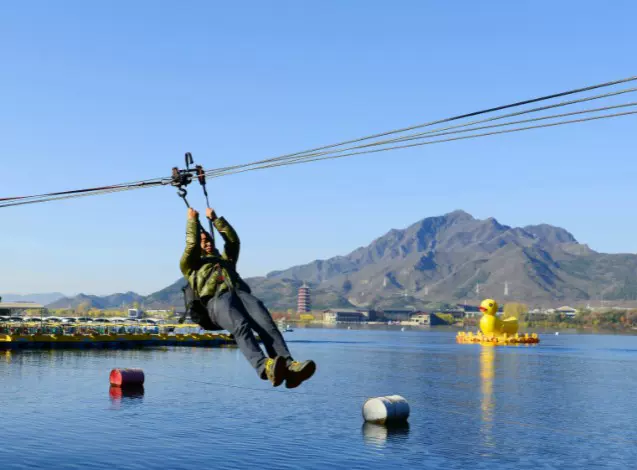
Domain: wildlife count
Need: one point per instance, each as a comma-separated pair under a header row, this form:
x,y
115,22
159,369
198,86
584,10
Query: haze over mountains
x,y
452,258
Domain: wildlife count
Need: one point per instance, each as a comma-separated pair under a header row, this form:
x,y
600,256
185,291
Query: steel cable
x,y
321,153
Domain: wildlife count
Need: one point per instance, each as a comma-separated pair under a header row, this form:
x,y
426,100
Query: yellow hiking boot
x,y
299,372
275,370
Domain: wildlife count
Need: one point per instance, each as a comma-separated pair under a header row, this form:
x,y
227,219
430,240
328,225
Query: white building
x,y
345,315
421,318
135,313
566,310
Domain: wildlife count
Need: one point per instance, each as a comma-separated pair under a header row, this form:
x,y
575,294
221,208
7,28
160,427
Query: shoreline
x,y
540,330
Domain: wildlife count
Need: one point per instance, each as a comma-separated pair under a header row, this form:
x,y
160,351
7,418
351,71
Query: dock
x,y
111,336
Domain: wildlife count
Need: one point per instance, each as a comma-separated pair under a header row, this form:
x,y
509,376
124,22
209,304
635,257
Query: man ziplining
x,y
230,305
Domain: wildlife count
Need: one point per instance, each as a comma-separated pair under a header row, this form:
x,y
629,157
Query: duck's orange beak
x,y
483,309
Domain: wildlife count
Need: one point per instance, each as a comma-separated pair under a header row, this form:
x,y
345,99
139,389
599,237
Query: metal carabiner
x,y
182,194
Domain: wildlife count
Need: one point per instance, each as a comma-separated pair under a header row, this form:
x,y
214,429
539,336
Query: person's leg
x,y
272,338
228,312
265,326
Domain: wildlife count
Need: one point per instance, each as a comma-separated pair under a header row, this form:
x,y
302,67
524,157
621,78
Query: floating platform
x,y
49,341
504,340
110,337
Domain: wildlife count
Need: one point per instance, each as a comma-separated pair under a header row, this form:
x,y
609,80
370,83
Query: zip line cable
x,y
463,116
71,196
214,172
137,184
158,181
430,135
322,153
543,108
398,139
331,157
438,134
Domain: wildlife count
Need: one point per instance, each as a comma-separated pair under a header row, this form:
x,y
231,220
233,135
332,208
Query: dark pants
x,y
239,313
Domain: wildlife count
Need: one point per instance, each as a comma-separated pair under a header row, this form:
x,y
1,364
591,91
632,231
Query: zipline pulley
x,y
182,178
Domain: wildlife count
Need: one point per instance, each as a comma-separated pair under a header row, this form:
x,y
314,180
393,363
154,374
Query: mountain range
x,y
449,258
42,299
125,300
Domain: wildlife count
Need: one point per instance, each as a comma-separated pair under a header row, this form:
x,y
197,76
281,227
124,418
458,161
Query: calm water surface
x,y
566,403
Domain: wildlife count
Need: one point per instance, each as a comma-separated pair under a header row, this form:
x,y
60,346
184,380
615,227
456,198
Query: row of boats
x,y
125,335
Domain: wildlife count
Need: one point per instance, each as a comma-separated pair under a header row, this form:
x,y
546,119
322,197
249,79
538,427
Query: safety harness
x,y
195,307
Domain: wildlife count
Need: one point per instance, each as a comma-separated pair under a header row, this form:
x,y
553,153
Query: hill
x,y
452,257
93,301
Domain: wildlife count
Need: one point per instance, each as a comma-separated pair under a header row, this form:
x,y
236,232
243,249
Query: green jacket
x,y
215,270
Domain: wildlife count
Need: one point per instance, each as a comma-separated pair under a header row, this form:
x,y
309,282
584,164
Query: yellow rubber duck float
x,y
491,325
493,330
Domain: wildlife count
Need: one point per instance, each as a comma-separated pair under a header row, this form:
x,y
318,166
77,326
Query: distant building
x,y
568,311
345,315
421,318
157,312
135,314
473,314
457,312
397,314
304,302
471,310
19,308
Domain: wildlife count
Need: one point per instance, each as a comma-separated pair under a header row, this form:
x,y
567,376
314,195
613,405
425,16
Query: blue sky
x,y
100,93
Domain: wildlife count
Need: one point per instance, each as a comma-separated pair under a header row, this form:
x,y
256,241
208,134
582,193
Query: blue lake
x,y
568,402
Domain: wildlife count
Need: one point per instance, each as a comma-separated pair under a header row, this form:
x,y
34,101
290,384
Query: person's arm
x,y
192,253
232,244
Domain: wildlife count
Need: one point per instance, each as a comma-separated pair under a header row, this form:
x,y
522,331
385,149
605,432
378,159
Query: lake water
x,y
568,402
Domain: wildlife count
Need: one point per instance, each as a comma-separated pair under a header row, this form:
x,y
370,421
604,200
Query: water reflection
x,y
487,405
379,434
7,356
125,395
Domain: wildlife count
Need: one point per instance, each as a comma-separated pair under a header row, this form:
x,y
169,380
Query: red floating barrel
x,y
127,377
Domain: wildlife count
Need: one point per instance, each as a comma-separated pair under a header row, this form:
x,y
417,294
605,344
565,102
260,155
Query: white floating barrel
x,y
386,410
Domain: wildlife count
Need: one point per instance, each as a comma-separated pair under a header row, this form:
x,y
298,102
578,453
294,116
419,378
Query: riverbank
x,y
580,324
544,329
